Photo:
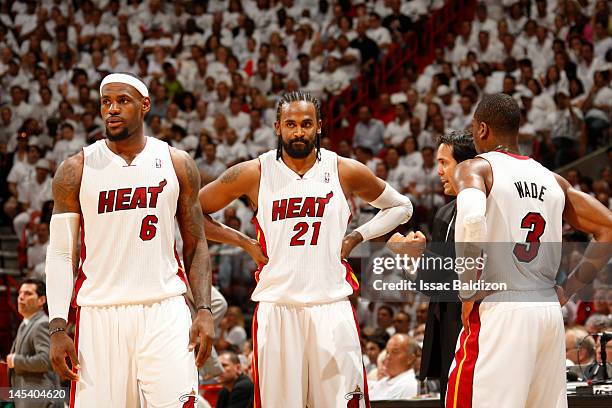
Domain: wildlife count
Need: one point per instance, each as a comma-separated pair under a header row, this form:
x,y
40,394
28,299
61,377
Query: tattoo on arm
x,y
191,222
231,174
66,185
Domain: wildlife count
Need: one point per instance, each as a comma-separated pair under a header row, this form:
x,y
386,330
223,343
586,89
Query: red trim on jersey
x,y
366,394
76,347
181,271
254,362
261,238
350,277
81,275
461,380
516,156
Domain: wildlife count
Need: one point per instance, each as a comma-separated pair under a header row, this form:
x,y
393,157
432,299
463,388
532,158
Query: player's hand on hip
x,y
202,336
61,347
349,243
254,249
413,244
561,295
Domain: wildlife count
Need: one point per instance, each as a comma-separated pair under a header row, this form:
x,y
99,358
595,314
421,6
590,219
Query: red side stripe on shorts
x,y
261,238
366,394
76,346
460,382
351,279
257,399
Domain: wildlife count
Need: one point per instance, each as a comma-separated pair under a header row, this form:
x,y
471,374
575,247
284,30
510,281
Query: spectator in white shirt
x,y
334,79
262,79
258,137
566,137
588,65
67,146
397,130
402,352
598,107
377,32
464,119
231,151
210,166
37,252
369,132
398,175
233,334
412,158
32,194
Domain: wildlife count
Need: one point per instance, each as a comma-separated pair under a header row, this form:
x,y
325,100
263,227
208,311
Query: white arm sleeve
x,y
470,229
395,208
61,258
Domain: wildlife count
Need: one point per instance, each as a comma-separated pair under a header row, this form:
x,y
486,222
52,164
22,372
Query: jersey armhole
x,y
492,175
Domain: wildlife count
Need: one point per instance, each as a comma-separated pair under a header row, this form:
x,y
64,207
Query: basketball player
x,y
134,335
306,340
511,350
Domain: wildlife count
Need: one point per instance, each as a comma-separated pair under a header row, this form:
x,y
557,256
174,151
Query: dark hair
x,y
41,289
461,142
232,356
500,112
298,96
387,308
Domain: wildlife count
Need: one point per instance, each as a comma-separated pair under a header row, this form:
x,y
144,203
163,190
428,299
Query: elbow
x,y
407,210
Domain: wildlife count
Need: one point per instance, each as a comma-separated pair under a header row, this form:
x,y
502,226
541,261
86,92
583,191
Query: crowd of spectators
x,y
215,68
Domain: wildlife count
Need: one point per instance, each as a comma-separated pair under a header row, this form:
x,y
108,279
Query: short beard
x,y
296,153
124,134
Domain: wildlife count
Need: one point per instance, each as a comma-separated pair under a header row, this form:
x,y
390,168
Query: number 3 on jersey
x,y
301,228
536,224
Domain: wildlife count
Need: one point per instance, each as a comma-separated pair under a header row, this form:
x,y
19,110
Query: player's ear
x,y
146,105
483,130
277,131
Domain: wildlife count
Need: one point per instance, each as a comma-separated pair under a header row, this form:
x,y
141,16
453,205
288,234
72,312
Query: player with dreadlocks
x,y
305,337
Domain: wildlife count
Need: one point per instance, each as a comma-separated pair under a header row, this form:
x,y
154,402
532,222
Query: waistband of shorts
x,y
149,303
300,305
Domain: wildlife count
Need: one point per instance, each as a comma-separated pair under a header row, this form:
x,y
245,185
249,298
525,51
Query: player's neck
x,y
300,166
128,148
506,147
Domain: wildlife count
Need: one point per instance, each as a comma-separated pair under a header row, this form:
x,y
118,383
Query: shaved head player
x,y
305,337
134,335
511,351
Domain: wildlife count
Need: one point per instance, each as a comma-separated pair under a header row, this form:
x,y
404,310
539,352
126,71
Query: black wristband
x,y
205,308
56,330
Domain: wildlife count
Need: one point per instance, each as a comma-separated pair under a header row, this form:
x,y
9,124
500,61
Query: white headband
x,y
125,79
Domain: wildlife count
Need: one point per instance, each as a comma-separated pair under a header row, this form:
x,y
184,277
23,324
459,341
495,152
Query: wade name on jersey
x,y
129,198
530,190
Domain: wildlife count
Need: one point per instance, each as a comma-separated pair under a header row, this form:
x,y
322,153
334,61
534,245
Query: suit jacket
x,y
32,367
444,315
241,396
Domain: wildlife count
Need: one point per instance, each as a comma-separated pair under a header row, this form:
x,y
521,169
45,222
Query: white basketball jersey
x,y
127,227
301,222
524,207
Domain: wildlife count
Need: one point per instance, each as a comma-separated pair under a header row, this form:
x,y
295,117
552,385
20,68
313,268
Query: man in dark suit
x,y
444,315
28,363
237,389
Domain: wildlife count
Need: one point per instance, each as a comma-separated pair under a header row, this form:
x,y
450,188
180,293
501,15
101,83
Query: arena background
x,y
392,76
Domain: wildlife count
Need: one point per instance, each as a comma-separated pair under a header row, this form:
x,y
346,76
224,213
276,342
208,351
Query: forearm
x,y
396,209
217,232
199,272
596,256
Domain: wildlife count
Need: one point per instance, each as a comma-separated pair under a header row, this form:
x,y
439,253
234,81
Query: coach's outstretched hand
x,y
61,347
413,244
202,336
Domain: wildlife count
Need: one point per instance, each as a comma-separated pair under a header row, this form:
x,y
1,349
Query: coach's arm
x,y
586,214
61,261
358,180
195,252
239,180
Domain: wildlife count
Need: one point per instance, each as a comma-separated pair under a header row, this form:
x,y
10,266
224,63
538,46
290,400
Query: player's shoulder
x,y
246,172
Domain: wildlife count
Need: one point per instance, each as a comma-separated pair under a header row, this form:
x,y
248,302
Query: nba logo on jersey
x,y
158,163
326,177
